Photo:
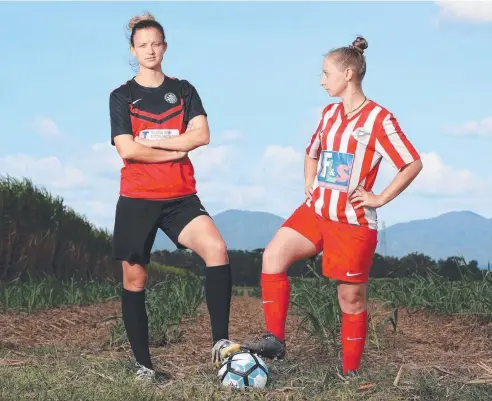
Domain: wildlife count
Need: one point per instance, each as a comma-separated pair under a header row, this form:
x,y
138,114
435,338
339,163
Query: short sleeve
x,y
192,103
119,116
393,145
313,149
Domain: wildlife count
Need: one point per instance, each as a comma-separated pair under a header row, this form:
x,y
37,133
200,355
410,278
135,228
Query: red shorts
x,y
348,249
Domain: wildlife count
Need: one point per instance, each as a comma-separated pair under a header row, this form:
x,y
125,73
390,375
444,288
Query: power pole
x,y
383,239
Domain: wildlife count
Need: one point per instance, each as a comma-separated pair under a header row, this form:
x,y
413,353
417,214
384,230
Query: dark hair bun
x,y
360,44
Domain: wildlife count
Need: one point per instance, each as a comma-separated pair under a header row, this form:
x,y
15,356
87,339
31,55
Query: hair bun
x,y
144,17
359,44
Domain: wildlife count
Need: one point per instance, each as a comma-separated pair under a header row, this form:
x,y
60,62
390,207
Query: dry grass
x,y
427,358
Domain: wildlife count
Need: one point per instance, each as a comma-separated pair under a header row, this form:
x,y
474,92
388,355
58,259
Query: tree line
x,y
246,266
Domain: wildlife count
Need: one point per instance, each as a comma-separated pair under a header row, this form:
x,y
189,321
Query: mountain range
x,y
460,233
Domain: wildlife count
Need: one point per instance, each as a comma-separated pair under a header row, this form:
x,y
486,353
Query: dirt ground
x,y
450,344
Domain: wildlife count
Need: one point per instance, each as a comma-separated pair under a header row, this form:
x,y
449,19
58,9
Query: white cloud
x,y
472,128
105,157
472,11
280,166
45,127
436,178
48,171
213,160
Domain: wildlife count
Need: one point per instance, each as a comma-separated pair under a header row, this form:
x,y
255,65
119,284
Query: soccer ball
x,y
243,369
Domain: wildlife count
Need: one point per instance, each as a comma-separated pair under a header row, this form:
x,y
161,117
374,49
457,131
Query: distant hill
x,y
462,233
241,229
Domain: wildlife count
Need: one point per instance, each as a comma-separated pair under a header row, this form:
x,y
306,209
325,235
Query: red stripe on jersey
x,y
390,131
351,148
315,138
366,167
133,109
325,210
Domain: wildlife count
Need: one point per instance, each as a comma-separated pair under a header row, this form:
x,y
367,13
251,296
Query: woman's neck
x,y
353,99
150,78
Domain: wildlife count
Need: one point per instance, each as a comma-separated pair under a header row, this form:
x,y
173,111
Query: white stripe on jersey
x,y
344,140
330,137
316,145
396,141
361,150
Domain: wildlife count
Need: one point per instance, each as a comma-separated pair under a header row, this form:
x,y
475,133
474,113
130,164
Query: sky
x,y
257,69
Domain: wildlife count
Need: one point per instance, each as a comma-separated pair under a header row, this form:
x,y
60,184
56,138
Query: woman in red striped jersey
x,y
338,216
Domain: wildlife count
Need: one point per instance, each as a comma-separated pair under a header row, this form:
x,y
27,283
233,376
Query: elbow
x,y
126,154
204,138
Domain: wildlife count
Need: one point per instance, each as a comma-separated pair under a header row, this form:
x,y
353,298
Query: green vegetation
x,y
167,303
247,266
316,300
437,294
42,236
49,292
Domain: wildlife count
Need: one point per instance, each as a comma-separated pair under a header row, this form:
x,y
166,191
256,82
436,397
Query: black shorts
x,y
137,221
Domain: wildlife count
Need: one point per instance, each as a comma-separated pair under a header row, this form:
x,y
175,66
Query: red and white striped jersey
x,y
349,152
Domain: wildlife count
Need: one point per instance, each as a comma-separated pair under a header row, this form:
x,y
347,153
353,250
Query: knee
x,y
272,263
352,300
134,278
269,255
215,252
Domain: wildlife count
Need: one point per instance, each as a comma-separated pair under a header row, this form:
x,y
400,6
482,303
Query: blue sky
x,y
257,68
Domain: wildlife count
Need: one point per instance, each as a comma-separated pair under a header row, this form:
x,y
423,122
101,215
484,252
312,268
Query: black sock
x,y
136,325
218,289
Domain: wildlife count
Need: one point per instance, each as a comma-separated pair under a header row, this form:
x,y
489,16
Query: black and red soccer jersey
x,y
143,111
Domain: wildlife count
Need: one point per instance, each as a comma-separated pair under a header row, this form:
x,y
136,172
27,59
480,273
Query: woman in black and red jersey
x,y
157,189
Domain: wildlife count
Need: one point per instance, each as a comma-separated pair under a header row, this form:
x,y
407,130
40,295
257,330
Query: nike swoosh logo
x,y
268,302
352,274
138,100
353,339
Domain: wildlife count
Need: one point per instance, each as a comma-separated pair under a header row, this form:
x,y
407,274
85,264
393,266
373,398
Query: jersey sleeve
x,y
393,145
119,115
313,150
192,103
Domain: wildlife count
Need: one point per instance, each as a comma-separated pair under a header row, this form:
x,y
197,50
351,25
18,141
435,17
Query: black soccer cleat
x,y
269,347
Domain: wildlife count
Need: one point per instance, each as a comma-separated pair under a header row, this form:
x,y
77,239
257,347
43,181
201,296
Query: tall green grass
x,y
167,302
316,301
34,294
436,294
49,292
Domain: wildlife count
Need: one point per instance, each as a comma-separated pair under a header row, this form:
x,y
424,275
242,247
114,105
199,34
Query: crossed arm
x,y
164,150
197,134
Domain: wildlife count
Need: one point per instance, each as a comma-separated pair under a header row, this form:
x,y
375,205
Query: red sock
x,y
354,333
275,290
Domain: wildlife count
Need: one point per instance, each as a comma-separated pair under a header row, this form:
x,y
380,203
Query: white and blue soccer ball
x,y
243,369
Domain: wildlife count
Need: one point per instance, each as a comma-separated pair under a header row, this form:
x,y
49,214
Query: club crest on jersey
x,y
361,135
360,132
170,97
335,169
